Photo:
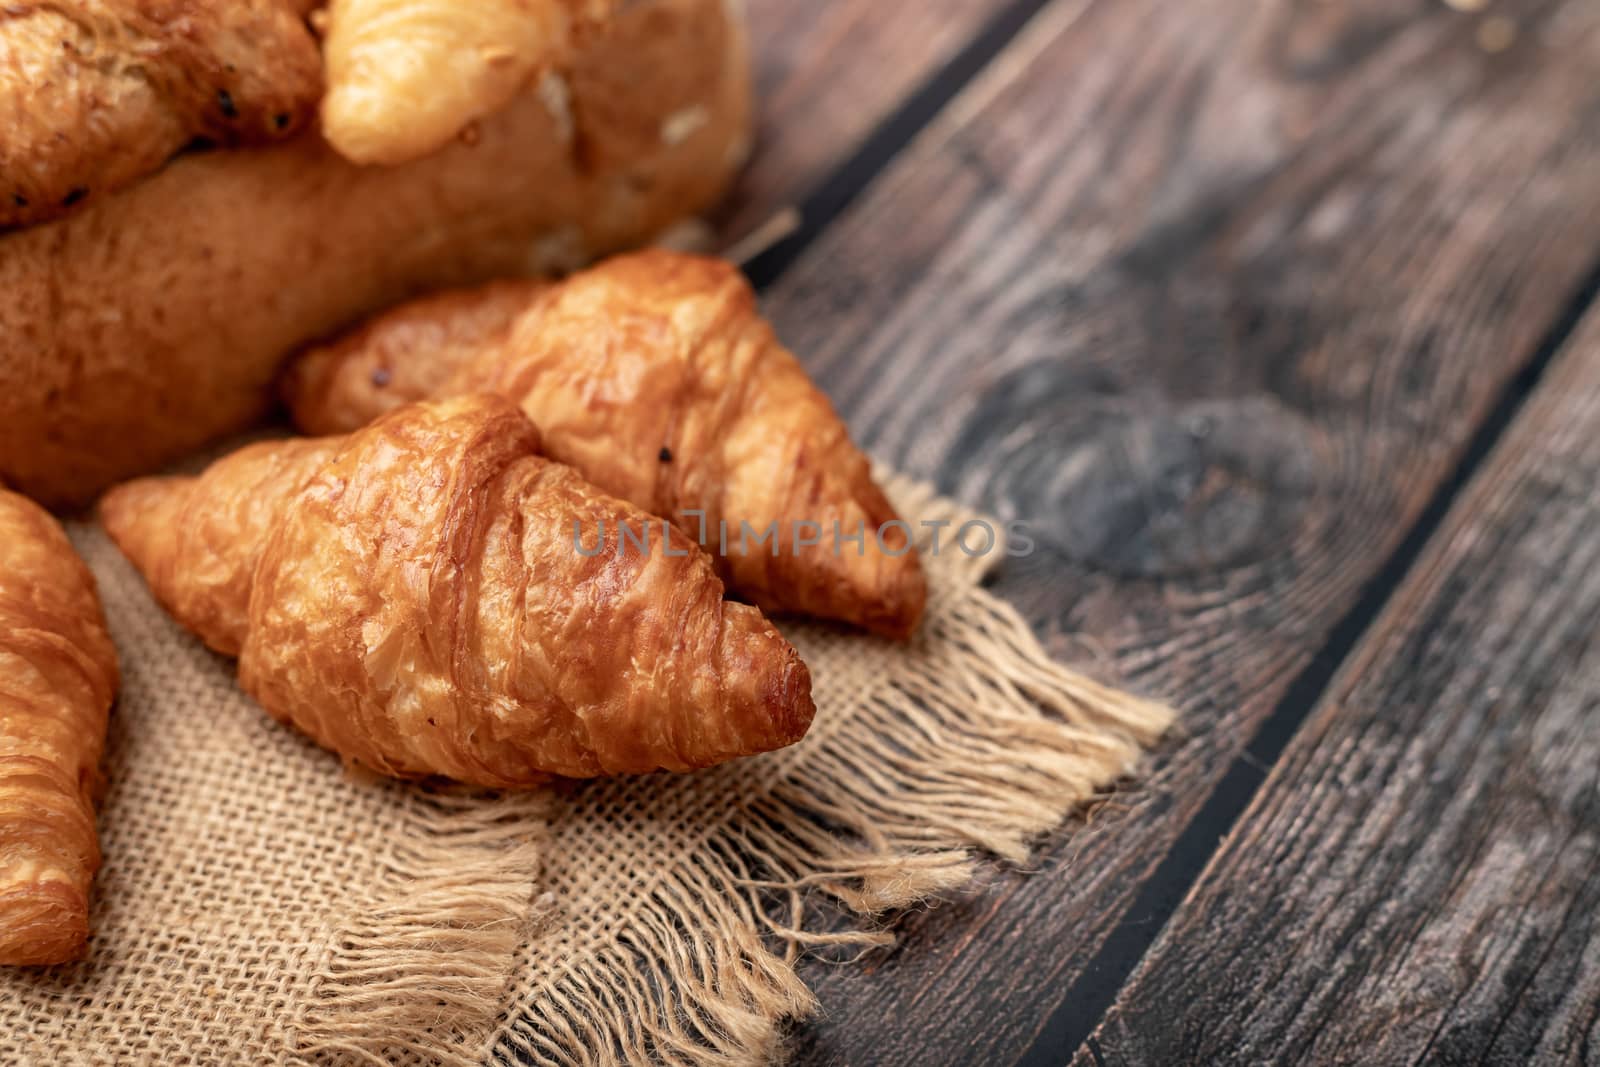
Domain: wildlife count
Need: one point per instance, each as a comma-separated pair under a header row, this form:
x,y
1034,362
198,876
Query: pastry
x,y
413,596
157,316
654,375
58,675
405,76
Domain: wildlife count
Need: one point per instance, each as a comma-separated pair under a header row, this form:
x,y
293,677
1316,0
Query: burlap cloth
x,y
258,904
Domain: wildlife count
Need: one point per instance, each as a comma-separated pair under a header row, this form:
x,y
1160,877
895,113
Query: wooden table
x,y
1273,319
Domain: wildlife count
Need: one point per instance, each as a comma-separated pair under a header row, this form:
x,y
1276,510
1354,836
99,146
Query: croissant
x,y
413,596
656,377
58,674
406,76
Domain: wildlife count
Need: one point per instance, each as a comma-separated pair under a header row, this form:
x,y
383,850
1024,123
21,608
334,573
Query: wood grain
x,y
825,75
1211,296
1419,878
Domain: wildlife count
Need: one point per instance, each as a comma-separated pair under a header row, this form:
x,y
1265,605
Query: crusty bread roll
x,y
154,320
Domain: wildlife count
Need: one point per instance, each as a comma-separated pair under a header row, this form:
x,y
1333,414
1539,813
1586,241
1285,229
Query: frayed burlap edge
x,y
422,966
255,908
969,741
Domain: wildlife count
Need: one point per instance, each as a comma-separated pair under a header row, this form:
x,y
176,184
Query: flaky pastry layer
x,y
58,675
414,597
655,376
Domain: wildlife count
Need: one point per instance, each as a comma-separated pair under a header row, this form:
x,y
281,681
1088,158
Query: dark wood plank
x,y
1211,296
825,75
1420,877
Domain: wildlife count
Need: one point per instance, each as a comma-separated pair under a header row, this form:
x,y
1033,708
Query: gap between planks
x,y
1092,996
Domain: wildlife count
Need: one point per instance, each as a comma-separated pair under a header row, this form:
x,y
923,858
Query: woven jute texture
x,y
258,904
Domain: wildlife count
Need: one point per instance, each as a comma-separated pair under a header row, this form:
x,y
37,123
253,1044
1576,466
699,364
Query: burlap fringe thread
x,y
688,900
431,948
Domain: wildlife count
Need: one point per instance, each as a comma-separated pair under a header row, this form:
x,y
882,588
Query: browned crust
x,y
45,923
655,376
58,674
95,94
157,317
416,604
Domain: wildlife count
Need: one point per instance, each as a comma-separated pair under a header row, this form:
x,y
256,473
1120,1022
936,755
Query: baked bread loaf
x,y
413,596
150,321
655,376
58,675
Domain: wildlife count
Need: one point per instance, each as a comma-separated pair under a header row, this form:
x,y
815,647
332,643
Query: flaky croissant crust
x,y
654,375
58,675
412,597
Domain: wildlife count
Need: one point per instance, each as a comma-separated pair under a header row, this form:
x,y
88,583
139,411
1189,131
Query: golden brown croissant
x,y
405,76
96,93
414,598
58,674
656,377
